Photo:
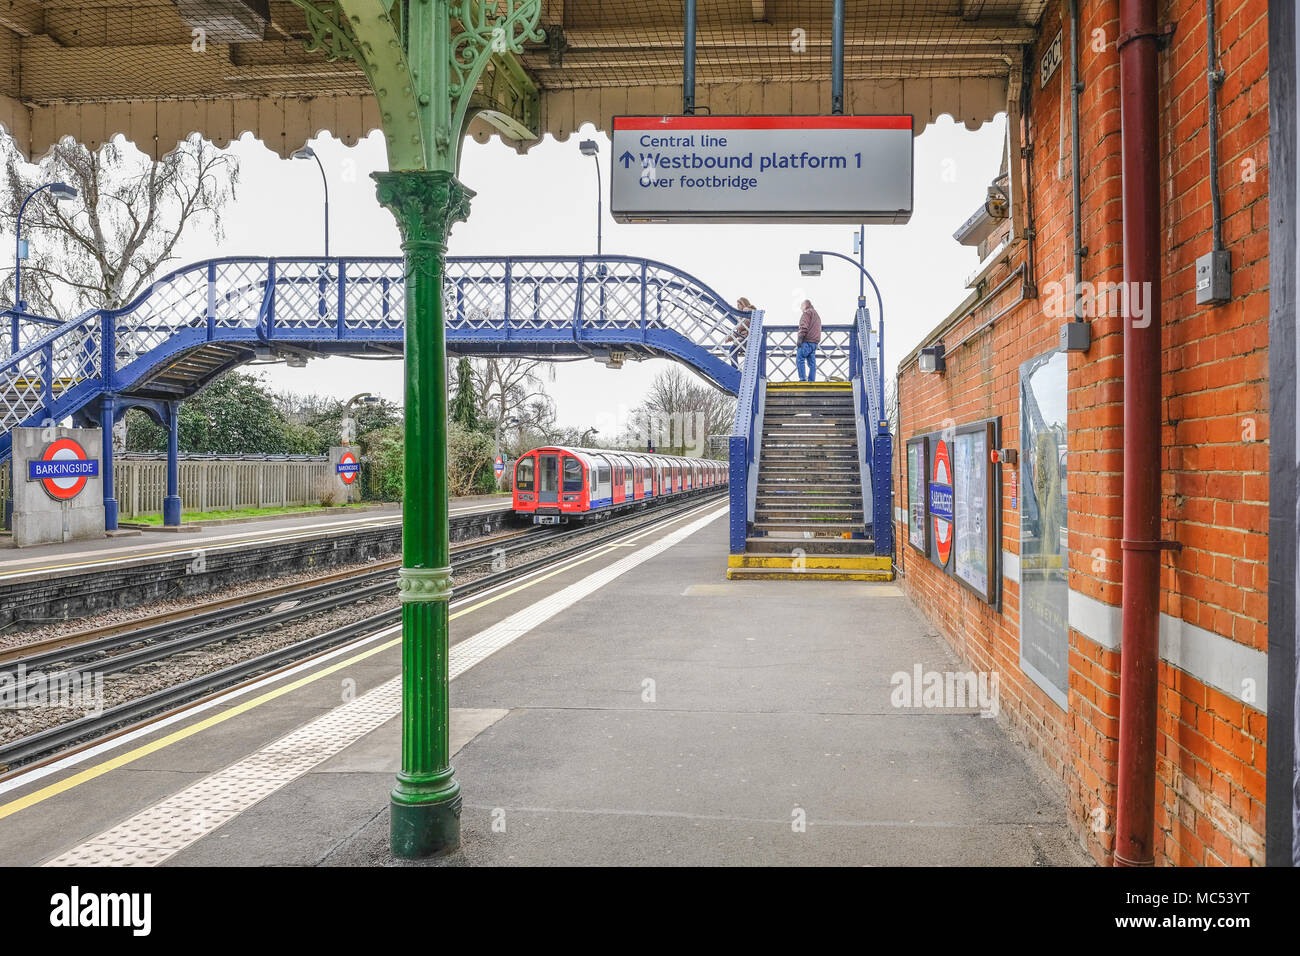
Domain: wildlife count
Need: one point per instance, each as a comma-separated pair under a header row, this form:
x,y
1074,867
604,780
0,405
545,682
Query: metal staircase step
x,y
817,516
789,544
808,574
787,525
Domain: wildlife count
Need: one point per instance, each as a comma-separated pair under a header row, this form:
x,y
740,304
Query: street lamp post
x,y
589,147
59,191
308,153
496,452
589,431
345,426
810,264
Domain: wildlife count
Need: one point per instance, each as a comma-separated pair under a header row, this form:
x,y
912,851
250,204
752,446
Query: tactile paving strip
x,y
158,832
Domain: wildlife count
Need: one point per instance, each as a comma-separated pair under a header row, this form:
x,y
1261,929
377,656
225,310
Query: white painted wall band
x,y
1240,672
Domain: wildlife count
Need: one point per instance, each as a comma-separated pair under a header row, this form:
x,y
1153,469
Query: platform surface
x,y
75,556
628,707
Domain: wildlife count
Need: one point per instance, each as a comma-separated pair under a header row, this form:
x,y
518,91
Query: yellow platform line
x,y
107,766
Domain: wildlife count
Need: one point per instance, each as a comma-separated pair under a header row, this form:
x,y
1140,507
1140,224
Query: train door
x,y
548,479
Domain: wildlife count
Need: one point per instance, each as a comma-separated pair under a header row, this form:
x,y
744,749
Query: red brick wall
x,y
1211,747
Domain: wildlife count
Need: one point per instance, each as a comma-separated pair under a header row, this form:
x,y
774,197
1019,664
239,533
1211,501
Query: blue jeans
x,y
807,356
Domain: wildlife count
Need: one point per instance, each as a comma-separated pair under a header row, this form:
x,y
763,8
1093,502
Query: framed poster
x,y
1044,525
974,509
918,463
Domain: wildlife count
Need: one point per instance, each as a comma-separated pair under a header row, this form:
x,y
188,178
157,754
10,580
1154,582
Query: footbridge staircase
x,y
810,487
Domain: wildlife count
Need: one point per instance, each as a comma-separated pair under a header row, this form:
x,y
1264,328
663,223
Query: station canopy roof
x,y
97,68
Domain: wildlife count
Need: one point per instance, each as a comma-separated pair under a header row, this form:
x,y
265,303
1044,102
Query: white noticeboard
x,y
811,169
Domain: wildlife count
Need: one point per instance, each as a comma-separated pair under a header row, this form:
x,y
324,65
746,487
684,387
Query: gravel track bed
x,y
142,612
127,685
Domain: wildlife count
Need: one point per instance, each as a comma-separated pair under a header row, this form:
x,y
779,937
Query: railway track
x,y
163,639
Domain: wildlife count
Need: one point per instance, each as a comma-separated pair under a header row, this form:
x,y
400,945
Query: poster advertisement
x,y
970,509
1044,514
916,513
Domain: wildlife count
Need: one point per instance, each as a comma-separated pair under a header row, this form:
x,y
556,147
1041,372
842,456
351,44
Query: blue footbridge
x,y
198,322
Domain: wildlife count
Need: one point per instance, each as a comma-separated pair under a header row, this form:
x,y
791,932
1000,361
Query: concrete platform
x,y
628,707
79,555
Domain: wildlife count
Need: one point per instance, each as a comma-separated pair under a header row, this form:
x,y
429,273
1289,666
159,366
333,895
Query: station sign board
x,y
348,467
499,466
734,169
63,469
941,500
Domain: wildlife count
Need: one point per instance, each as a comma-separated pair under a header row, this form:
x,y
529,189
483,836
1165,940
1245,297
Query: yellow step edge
x,y
856,562
753,574
818,386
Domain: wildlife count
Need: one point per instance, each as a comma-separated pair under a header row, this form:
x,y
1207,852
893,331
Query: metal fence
x,y
832,353
210,484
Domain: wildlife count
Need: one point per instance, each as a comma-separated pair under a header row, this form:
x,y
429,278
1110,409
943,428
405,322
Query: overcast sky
x,y
545,203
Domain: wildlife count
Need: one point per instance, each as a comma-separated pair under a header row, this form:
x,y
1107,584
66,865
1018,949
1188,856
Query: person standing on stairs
x,y
810,334
741,332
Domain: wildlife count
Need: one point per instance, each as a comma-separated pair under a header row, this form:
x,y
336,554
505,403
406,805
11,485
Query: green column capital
x,y
426,204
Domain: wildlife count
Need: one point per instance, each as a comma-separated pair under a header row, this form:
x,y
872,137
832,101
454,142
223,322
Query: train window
x,y
602,476
548,474
524,474
572,474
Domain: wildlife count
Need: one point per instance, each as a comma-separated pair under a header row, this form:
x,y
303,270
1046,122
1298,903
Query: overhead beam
x,y
24,17
743,63
899,32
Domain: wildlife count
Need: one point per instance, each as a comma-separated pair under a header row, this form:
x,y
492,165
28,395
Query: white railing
x,y
218,484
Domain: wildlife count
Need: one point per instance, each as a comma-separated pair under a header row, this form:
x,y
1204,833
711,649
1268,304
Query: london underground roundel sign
x,y
348,467
63,469
941,502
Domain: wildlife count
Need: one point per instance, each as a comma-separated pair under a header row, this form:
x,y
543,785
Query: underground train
x,y
555,485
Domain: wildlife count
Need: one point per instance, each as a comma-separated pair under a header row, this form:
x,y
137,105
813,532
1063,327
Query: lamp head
x,y
810,264
589,147
931,359
62,191
305,153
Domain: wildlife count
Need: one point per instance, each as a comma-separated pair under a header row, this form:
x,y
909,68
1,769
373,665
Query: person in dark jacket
x,y
810,334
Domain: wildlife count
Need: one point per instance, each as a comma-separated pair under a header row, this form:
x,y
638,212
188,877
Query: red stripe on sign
x,y
630,123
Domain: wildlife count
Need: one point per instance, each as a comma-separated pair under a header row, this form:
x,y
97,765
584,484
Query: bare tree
x,y
104,248
891,405
512,388
679,414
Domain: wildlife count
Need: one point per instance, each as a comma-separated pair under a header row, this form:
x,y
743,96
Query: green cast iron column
x,y
426,800
423,61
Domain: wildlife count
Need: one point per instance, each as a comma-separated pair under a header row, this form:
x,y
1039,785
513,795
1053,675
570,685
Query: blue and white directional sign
x,y
762,169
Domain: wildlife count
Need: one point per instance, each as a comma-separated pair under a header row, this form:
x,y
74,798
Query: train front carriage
x,y
551,485
555,485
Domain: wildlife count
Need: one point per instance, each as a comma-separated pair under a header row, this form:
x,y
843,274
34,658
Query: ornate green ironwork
x,y
424,60
363,32
482,37
424,584
426,801
507,98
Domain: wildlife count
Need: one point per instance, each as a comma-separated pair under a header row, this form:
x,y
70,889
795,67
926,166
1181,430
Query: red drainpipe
x,y
1140,651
